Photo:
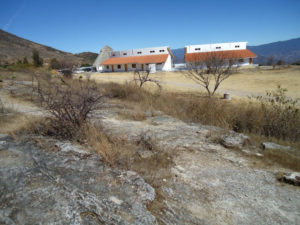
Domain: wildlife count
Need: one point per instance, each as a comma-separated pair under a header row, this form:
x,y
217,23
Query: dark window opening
x,y
161,50
133,65
139,52
107,67
158,63
219,47
124,53
237,46
119,66
152,51
197,49
113,54
241,60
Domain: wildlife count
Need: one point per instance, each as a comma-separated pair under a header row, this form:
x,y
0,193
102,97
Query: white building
x,y
104,54
153,59
234,52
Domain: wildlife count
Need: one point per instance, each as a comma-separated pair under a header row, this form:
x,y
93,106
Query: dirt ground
x,y
247,82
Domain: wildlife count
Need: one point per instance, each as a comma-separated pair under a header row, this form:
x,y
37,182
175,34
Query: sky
x,y
88,25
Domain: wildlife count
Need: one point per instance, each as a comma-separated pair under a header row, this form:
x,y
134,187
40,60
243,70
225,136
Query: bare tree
x,y
271,62
141,77
211,66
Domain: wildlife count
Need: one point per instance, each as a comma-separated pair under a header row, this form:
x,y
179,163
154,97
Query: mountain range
x,y
13,48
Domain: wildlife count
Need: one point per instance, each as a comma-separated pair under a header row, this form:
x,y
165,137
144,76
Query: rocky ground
x,y
60,183
211,184
46,181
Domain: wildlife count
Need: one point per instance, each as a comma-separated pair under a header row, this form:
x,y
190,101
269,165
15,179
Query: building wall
x,y
140,52
235,63
167,66
215,47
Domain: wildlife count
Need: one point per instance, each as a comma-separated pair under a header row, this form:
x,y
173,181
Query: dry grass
x,y
17,122
246,82
137,114
252,117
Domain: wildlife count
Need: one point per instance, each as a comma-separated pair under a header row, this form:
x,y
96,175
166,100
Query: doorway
x,y
126,69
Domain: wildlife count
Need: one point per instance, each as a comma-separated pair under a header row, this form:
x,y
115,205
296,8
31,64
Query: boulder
x,y
234,140
290,178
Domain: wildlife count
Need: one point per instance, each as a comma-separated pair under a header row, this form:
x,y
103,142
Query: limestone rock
x,y
274,146
46,186
234,140
291,178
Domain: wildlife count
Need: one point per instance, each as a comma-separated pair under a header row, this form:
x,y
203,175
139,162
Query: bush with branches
x,y
69,102
281,115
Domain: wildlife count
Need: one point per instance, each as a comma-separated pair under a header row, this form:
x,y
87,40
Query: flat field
x,y
246,82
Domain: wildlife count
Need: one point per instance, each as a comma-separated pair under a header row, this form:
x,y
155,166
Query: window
x,y
237,46
218,47
241,60
107,67
139,52
113,54
119,66
152,51
124,53
161,50
133,66
197,49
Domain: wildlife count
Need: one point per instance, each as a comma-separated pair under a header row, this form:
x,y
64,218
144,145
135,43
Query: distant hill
x,y
289,51
89,57
13,48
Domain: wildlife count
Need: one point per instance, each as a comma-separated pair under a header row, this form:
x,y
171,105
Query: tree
x,y
37,61
280,62
25,61
209,67
271,62
141,77
54,64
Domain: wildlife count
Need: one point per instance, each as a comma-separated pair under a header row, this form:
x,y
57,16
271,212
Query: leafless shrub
x,y
211,67
69,103
141,77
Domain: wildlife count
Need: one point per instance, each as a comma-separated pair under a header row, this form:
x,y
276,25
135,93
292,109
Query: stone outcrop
x,y
65,184
234,140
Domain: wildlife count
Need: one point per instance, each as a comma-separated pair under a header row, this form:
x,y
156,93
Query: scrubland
x,y
171,137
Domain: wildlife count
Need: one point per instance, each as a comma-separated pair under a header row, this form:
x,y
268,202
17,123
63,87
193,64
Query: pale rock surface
x,y
65,185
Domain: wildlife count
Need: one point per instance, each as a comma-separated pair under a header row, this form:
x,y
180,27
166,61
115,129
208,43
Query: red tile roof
x,y
136,59
229,54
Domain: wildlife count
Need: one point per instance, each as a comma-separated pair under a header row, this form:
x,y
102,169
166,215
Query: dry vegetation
x,y
71,101
276,116
246,82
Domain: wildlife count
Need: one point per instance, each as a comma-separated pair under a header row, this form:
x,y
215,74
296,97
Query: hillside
x,y
288,50
89,57
14,48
